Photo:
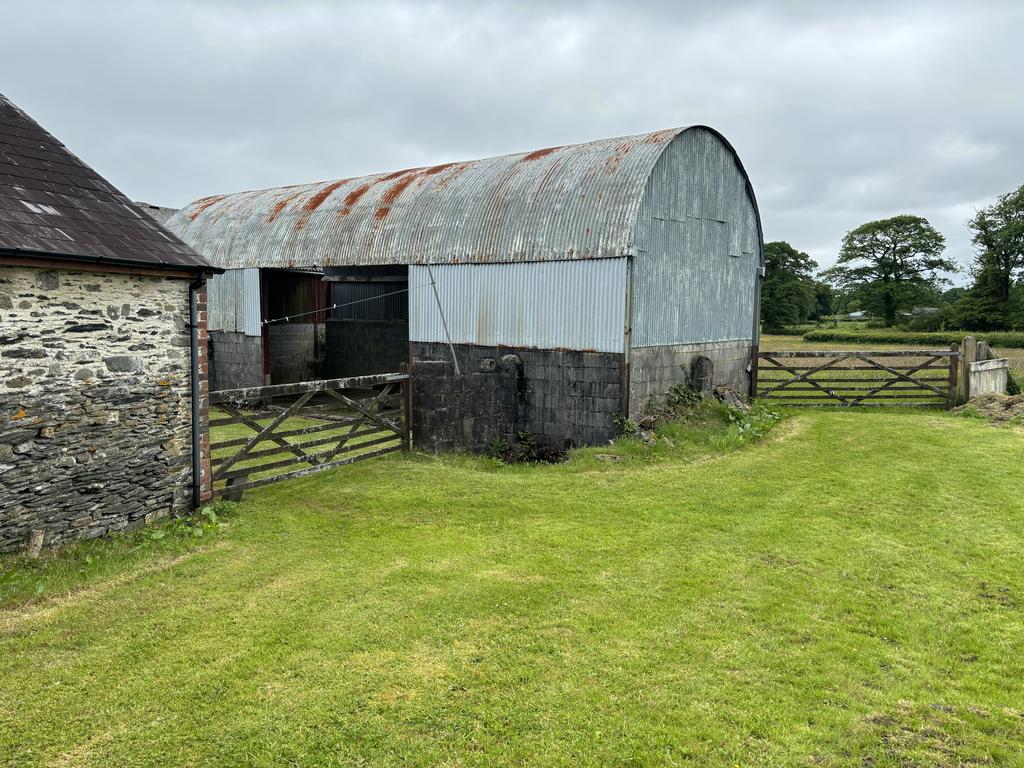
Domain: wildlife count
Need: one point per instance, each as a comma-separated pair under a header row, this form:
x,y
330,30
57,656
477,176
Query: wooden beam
x,y
323,385
858,353
304,472
261,435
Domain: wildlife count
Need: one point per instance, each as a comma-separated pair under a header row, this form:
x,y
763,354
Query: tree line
x,y
892,270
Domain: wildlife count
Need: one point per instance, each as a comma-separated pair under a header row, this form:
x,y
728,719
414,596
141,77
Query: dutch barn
x,y
547,292
102,364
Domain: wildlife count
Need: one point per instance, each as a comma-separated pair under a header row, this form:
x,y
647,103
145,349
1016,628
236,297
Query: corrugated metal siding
x,y
545,305
370,301
564,203
233,301
699,247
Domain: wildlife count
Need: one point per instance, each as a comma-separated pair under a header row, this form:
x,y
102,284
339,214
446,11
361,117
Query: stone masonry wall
x,y
655,370
293,352
363,347
95,409
237,360
561,397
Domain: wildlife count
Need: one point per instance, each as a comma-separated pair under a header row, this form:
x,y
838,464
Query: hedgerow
x,y
895,336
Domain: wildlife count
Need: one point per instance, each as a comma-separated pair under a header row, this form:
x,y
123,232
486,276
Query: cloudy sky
x,y
842,112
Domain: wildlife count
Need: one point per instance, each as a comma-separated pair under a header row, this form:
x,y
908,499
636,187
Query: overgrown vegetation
x,y
524,450
795,602
56,572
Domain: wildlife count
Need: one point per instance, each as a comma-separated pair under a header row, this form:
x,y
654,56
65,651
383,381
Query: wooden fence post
x,y
968,354
954,367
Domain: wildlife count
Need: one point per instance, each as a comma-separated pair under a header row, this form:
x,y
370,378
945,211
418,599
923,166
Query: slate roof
x,y
158,212
54,205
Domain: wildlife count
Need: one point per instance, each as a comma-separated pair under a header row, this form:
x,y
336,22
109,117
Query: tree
x,y
998,235
824,298
896,260
787,293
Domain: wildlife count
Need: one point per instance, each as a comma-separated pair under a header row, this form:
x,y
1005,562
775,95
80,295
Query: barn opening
x,y
266,326
368,327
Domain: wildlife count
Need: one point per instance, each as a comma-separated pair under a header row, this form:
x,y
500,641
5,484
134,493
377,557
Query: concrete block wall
x,y
561,397
237,360
655,370
95,402
293,352
363,347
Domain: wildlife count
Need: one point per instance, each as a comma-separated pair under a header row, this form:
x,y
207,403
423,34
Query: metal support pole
x,y
444,322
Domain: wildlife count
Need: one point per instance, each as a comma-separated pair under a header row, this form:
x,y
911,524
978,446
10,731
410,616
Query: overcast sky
x,y
841,112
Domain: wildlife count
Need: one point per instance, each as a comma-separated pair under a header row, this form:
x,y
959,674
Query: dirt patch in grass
x,y
995,407
934,735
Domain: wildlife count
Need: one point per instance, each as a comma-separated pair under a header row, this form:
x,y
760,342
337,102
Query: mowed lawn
x,y
848,592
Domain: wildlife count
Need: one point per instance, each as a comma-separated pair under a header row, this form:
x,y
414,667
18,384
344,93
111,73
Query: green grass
x,y
847,592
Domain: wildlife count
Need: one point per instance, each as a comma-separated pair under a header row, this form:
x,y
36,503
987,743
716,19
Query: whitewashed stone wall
x,y
95,410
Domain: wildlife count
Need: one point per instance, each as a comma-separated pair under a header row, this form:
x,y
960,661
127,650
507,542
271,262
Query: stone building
x,y
547,292
102,316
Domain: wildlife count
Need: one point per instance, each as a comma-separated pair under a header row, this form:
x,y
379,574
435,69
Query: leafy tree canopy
x,y
895,260
787,293
998,235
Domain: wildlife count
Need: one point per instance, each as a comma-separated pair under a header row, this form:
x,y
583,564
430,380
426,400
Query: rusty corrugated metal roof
x,y
54,205
561,203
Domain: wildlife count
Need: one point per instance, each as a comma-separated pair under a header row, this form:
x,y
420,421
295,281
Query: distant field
x,y
772,343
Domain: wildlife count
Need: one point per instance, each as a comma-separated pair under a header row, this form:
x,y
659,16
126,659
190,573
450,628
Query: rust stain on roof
x,y
280,205
612,163
537,154
396,174
447,179
396,189
659,136
204,203
435,169
315,201
353,197
392,193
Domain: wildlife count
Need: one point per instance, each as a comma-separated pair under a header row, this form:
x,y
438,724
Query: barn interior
x,y
368,327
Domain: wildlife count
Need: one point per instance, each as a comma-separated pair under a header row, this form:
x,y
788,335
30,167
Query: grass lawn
x,y
847,592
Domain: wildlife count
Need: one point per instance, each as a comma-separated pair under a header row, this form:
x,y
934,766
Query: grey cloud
x,y
842,112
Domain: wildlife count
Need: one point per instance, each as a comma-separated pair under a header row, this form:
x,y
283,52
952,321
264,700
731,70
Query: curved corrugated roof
x,y
574,202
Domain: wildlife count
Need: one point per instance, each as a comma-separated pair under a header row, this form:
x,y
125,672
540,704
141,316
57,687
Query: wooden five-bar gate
x,y
261,435
856,378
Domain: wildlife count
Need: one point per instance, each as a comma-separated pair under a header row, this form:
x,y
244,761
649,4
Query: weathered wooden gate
x,y
344,420
858,378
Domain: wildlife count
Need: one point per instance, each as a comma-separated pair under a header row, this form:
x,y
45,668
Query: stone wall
x,y
655,370
95,408
236,360
363,347
293,352
561,397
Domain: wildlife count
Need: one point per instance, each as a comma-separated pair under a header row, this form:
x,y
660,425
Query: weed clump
x,y
525,450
